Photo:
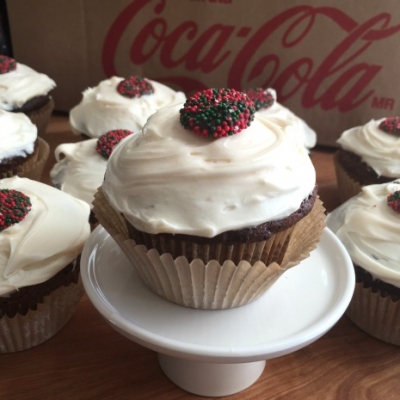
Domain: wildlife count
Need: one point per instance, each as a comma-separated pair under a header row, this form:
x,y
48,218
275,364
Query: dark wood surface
x,y
88,360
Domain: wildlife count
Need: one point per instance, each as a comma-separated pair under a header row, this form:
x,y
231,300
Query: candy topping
x,y
393,201
14,206
7,64
217,112
106,142
391,125
262,98
135,86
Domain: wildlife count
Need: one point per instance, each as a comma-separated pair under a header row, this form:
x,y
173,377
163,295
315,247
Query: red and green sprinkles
x,y
14,206
262,98
106,142
135,86
393,201
217,113
7,64
391,125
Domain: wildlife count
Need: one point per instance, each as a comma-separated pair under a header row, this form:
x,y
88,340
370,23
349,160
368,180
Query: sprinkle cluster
x,y
106,142
14,206
217,112
391,125
135,86
262,98
393,201
7,64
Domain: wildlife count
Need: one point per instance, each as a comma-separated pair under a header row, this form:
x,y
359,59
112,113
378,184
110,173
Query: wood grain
x,y
89,360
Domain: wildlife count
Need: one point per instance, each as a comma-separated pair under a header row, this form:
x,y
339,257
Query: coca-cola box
x,y
335,64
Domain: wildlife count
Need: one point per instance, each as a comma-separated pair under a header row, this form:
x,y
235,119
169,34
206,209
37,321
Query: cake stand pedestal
x,y
220,352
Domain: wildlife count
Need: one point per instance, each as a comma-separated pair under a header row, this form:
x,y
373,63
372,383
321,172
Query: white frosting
x,y
17,135
79,169
370,231
21,85
168,179
103,109
378,149
294,125
50,236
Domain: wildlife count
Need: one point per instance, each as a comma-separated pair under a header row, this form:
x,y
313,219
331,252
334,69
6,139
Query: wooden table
x,y
89,360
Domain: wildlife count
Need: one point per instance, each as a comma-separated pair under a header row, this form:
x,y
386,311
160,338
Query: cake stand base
x,y
210,379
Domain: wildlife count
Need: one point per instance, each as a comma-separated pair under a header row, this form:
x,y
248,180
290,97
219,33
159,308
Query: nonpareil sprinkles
x,y
393,201
106,142
7,64
217,113
135,86
391,125
262,98
14,206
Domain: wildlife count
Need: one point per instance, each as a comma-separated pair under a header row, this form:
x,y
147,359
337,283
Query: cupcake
x,y
369,154
42,233
22,152
210,202
22,89
267,106
368,225
119,103
80,167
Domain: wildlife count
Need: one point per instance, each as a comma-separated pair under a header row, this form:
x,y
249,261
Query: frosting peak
x,y
17,135
370,231
379,149
46,240
104,109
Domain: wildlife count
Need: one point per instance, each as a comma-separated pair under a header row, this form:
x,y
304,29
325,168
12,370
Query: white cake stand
x,y
218,353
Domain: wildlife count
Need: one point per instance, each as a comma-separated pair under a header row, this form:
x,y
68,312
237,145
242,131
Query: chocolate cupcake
x,y
81,166
119,103
368,225
369,155
22,152
40,247
210,202
23,90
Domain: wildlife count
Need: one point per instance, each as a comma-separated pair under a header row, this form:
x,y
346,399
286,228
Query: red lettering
x,y
217,35
337,81
152,33
115,33
334,63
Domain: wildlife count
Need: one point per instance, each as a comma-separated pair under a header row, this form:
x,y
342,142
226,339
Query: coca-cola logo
x,y
341,80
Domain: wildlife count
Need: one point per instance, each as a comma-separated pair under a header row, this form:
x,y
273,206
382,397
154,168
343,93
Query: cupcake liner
x,y
42,116
346,185
23,332
33,167
377,315
214,284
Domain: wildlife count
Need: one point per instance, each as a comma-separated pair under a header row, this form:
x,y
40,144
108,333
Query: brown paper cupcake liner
x,y
42,116
377,315
346,185
214,284
23,332
34,166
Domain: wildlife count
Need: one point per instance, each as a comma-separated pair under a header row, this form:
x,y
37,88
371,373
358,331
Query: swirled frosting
x,y
167,179
378,149
296,127
79,169
17,135
46,240
103,109
21,85
370,231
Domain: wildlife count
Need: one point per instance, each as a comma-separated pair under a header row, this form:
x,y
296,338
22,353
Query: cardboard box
x,y
336,65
